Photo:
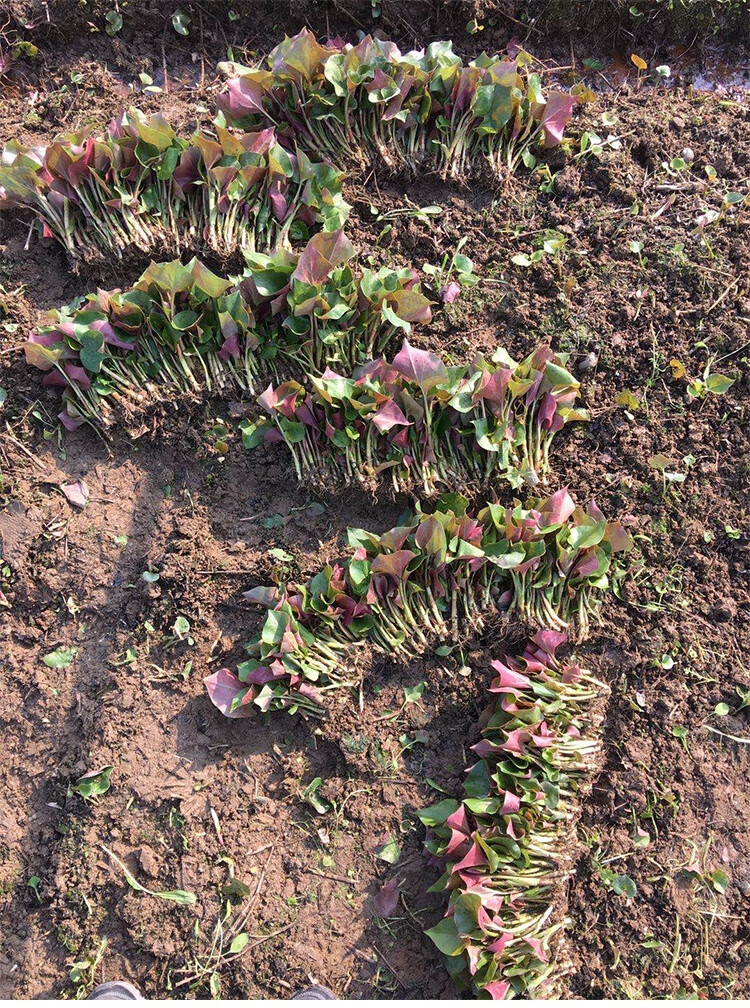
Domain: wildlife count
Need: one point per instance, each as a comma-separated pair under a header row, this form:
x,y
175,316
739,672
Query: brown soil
x,y
197,800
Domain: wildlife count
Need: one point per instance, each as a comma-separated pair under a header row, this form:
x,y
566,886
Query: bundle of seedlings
x,y
329,312
420,424
141,185
348,103
434,576
182,330
508,848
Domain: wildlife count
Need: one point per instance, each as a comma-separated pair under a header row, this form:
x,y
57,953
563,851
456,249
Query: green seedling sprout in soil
x,y
454,274
33,883
508,847
229,939
437,575
82,974
707,384
419,423
92,784
182,330
414,110
142,185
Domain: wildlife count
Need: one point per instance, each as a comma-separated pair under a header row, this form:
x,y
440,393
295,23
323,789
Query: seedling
x,y
636,247
92,785
60,658
180,633
410,113
169,189
418,422
538,745
314,799
455,273
83,974
547,561
706,384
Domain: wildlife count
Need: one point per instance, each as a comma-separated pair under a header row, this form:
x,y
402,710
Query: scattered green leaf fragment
x,y
60,658
114,22
623,885
390,851
721,709
150,576
33,884
272,521
317,801
680,733
173,895
180,22
719,880
413,694
239,943
120,540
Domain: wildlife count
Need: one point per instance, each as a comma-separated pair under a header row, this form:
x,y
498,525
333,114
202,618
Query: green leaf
x,y
91,353
60,658
93,784
446,937
239,943
718,384
114,22
623,885
172,895
180,22
412,694
719,880
389,852
311,796
436,815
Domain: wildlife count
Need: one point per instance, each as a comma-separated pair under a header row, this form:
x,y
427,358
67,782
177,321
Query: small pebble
x,y
589,362
688,155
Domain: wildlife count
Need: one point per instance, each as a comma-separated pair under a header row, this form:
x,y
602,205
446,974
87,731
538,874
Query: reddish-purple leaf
x,y
557,508
392,563
425,368
321,255
556,116
389,415
76,493
449,293
385,899
223,686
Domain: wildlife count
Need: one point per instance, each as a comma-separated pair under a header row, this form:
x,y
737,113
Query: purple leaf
x,y
77,493
449,293
385,899
266,595
557,508
389,415
556,116
497,989
425,368
69,423
321,255
223,687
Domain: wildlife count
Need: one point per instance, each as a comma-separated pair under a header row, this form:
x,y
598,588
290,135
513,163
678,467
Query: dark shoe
x,y
115,990
315,993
